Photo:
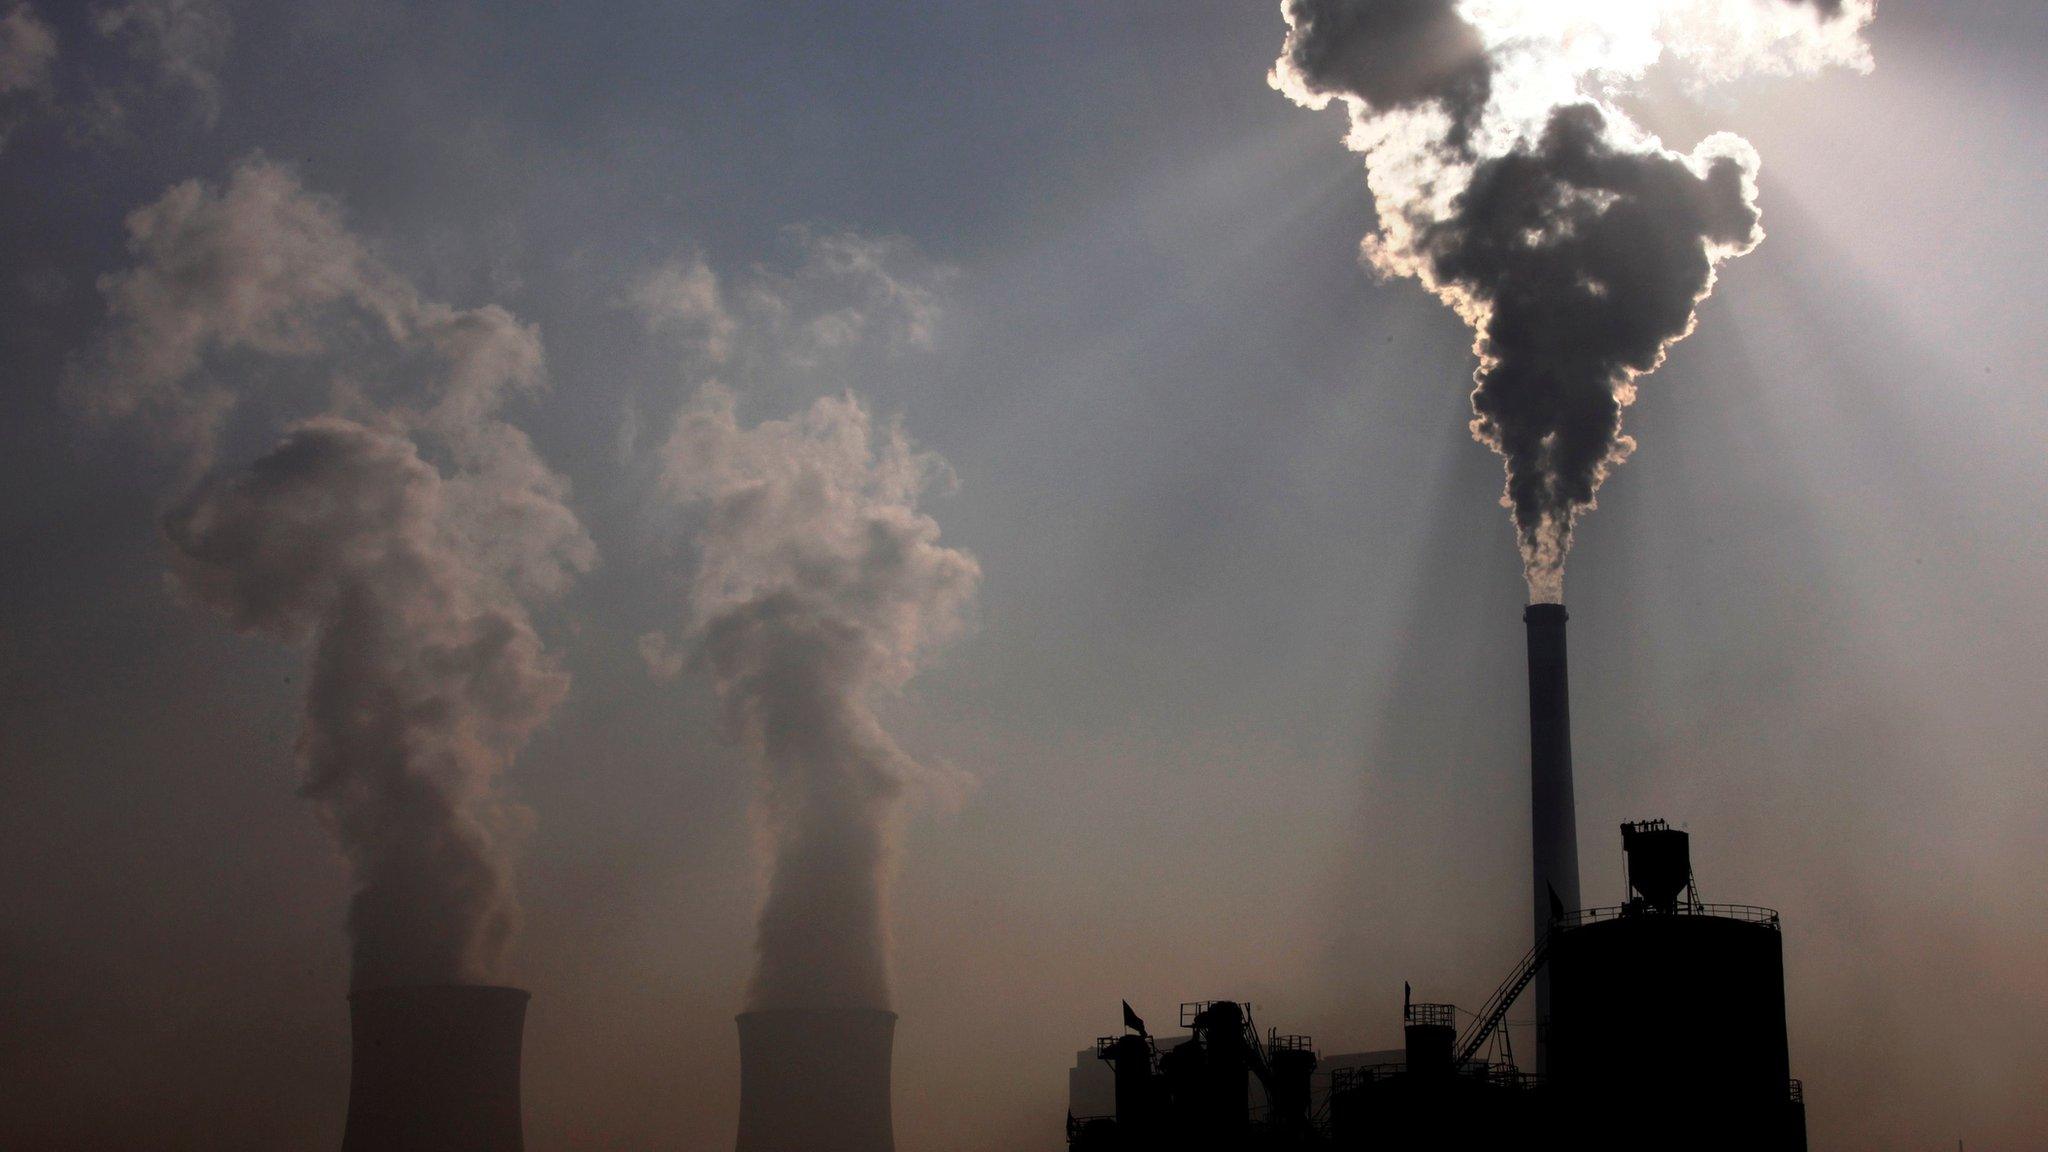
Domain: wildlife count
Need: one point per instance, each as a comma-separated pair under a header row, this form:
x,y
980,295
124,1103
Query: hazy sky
x,y
1240,712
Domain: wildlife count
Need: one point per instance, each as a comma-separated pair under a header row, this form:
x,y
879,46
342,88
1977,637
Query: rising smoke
x,y
820,587
1576,245
402,531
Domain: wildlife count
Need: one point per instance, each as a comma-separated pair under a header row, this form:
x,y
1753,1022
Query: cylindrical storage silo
x,y
1293,1069
1429,1048
1655,1015
1136,1094
435,1068
1659,862
1225,1087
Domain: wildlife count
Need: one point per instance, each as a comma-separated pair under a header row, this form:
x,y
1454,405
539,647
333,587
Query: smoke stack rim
x,y
1545,612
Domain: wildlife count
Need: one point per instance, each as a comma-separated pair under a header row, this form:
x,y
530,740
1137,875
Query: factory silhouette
x,y
1659,1023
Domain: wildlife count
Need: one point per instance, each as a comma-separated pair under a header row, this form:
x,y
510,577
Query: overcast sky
x,y
1240,708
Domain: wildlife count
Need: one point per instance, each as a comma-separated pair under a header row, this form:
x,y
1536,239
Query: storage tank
x,y
1293,1065
1677,1022
1221,1079
1659,862
1430,1032
1136,1093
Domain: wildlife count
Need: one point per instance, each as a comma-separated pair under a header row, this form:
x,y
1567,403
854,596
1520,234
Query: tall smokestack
x,y
816,1080
1553,817
435,1069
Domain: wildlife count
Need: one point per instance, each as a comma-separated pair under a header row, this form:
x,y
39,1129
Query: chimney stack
x,y
435,1069
816,1080
1553,818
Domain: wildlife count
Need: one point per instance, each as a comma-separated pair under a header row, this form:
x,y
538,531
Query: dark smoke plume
x,y
1393,54
820,587
1576,245
402,533
1590,261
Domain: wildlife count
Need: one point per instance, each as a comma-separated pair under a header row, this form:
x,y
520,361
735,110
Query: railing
x,y
1748,913
1076,1125
1104,1045
1440,1015
1509,1076
1345,1079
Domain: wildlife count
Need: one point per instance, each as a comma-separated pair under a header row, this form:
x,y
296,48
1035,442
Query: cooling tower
x,y
435,1069
816,1080
1553,819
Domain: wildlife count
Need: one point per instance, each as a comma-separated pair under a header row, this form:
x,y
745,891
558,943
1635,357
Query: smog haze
x,y
693,508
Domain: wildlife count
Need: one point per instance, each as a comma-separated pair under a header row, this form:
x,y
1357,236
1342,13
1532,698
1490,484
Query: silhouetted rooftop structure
x,y
1660,1022
1667,1031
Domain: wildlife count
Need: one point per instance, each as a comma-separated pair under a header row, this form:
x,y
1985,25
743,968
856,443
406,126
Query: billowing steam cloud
x,y
846,290
402,532
1575,244
820,586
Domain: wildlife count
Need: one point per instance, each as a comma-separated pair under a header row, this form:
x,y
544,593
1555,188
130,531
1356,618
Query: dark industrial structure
x,y
1197,1093
1660,1022
1665,984
1553,815
816,1080
435,1068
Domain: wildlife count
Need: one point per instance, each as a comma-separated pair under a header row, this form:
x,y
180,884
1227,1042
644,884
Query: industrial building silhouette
x,y
1660,1022
1666,1030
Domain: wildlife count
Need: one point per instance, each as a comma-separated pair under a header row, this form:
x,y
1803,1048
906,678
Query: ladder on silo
x,y
1496,1009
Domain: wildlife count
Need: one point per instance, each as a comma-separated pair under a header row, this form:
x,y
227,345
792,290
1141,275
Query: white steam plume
x,y
846,290
1508,182
820,587
402,531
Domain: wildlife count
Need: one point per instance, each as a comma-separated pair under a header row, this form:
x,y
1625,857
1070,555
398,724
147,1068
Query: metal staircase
x,y
1255,1054
1496,1009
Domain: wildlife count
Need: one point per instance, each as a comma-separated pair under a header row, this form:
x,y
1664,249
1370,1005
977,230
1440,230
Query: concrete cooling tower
x,y
816,1080
435,1069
